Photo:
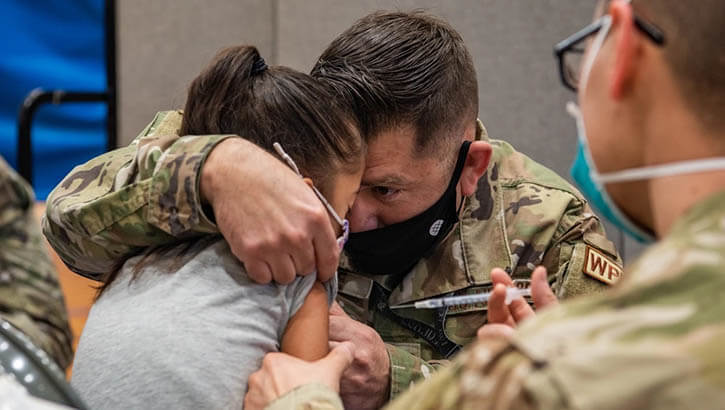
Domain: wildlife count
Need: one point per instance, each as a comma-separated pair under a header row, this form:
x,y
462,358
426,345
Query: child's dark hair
x,y
237,94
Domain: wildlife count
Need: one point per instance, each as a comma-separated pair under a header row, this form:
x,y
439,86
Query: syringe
x,y
511,295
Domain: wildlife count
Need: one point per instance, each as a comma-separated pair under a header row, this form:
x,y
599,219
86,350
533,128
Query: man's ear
x,y
625,49
479,155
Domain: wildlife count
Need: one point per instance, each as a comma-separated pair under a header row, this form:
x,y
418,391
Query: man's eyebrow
x,y
385,180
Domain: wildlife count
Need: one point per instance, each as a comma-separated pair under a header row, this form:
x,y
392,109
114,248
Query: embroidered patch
x,y
601,267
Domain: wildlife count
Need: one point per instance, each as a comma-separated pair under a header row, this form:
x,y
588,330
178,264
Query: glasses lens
x,y
572,65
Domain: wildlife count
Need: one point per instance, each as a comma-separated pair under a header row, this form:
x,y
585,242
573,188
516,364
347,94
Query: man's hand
x,y
503,318
365,384
281,373
271,219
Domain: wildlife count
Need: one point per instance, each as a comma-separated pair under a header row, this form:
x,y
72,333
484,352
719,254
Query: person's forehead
x,y
392,160
400,139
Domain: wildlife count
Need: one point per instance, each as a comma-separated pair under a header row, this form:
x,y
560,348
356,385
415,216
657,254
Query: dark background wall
x,y
163,44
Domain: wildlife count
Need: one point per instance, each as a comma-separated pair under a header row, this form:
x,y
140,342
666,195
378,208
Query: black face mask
x,y
395,249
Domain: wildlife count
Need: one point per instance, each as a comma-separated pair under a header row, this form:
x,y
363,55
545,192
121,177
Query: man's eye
x,y
384,191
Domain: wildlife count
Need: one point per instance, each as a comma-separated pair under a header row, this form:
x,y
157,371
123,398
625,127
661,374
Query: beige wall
x,y
163,44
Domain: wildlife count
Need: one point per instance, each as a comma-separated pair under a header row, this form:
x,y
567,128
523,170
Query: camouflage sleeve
x,y
30,295
488,375
406,369
313,396
141,195
582,261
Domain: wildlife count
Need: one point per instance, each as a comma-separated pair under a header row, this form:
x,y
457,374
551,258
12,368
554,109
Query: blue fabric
x,y
582,173
53,44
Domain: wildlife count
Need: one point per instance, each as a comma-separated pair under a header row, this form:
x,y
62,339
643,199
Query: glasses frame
x,y
567,45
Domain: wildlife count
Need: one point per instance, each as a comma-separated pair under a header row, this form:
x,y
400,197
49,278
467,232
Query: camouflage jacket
x,y
522,215
30,295
654,341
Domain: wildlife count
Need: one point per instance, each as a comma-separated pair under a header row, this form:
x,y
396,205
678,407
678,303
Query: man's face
x,y
398,183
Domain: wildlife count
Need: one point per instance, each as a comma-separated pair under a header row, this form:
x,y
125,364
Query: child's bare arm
x,y
307,334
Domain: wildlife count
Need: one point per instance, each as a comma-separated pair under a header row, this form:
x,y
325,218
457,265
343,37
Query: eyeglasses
x,y
570,51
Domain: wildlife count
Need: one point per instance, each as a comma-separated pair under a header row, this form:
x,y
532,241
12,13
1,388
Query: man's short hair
x,y
395,69
694,50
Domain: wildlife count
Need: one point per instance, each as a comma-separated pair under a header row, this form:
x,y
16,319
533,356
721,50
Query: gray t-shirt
x,y
186,333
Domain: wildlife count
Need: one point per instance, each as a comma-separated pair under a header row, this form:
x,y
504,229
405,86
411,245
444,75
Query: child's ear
x,y
308,181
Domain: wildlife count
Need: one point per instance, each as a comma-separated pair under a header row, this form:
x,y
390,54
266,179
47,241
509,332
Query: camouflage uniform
x,y
654,341
30,295
521,216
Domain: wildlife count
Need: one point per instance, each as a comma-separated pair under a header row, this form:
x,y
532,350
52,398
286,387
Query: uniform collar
x,y
165,123
700,214
481,133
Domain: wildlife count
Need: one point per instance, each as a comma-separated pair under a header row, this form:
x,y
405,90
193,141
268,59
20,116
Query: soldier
x,y
30,295
441,204
652,135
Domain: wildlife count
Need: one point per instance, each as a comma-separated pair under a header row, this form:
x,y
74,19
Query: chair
x,y
38,97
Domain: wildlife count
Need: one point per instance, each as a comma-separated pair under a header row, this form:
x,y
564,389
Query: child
x,y
183,326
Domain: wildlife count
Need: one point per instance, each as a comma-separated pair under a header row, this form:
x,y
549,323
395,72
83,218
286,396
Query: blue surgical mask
x,y
592,183
588,180
344,223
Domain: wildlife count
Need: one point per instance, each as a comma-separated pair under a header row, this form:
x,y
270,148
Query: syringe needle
x,y
405,306
511,294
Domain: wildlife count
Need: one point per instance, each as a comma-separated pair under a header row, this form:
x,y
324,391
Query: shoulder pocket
x,y
589,271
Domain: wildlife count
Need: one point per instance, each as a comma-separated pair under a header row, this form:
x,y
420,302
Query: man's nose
x,y
363,216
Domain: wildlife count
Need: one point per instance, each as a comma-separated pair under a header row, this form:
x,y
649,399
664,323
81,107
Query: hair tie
x,y
259,66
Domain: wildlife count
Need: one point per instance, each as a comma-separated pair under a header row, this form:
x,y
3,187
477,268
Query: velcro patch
x,y
601,267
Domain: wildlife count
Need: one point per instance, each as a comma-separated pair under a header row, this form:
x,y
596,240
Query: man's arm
x,y
406,369
138,196
582,261
152,192
30,295
491,374
379,372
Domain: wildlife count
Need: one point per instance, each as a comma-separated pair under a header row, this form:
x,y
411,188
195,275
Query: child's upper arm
x,y
307,332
